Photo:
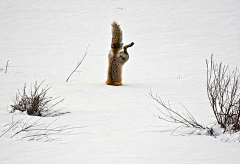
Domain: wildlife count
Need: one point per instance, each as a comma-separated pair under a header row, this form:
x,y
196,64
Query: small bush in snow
x,y
36,103
223,89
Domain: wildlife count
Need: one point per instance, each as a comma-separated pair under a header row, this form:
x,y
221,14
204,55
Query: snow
x,y
43,40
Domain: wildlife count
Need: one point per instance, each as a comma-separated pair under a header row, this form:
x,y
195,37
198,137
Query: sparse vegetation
x,y
34,129
184,120
223,90
35,103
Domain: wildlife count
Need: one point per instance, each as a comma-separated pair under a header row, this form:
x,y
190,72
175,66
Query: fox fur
x,y
116,57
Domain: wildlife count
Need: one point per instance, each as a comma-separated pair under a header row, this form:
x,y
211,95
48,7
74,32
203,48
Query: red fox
x,y
116,59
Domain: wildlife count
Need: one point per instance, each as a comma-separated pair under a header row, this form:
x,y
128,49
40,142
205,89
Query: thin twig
x,y
185,120
35,130
79,63
6,66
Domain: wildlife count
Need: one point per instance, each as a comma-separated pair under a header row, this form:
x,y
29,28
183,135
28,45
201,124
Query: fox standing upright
x,y
116,58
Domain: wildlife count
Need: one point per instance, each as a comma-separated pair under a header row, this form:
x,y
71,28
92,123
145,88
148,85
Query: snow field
x,y
44,40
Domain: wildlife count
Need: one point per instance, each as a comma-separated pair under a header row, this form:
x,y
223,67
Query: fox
x,y
116,57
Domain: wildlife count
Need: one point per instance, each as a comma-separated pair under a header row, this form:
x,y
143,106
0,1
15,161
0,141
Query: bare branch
x,y
6,67
35,130
79,63
185,120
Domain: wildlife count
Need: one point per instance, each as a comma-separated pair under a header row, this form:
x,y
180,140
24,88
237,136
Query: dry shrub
x,y
223,90
36,102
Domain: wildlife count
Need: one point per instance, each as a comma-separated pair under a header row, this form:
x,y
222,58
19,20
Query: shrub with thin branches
x,y
223,90
35,103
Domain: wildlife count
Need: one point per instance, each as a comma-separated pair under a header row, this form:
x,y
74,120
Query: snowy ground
x,y
44,39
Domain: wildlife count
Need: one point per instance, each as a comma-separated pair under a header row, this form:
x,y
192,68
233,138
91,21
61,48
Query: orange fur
x,y
116,59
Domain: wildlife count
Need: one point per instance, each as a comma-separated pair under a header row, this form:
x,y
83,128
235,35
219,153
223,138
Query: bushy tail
x,y
116,37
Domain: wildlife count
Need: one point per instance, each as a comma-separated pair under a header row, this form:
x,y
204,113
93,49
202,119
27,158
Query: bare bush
x,y
185,120
224,95
35,103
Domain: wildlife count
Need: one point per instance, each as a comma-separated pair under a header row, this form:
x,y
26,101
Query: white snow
x,y
44,39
